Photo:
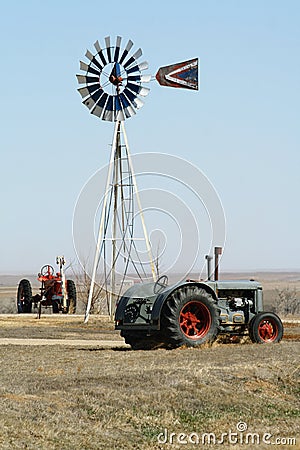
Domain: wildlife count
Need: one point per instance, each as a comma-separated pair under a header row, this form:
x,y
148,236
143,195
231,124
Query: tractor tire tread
x,y
254,328
173,336
24,288
72,296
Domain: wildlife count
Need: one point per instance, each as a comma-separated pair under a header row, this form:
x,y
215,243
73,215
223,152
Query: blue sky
x,y
241,129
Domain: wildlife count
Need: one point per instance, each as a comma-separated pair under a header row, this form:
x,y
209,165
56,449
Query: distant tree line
x,y
287,301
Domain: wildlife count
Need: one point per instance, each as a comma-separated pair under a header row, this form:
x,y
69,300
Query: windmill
x,y
113,90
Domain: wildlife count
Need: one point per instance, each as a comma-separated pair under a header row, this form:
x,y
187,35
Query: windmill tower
x,y
113,90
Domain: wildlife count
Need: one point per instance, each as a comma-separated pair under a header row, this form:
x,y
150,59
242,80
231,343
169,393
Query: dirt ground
x,y
93,397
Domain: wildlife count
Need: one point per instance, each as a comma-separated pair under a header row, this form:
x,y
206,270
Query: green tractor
x,y
193,313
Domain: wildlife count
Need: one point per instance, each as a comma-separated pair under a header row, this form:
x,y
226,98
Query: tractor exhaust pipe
x,y
218,252
208,259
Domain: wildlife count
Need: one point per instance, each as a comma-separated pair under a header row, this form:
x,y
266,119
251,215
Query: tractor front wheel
x,y
24,297
189,317
265,328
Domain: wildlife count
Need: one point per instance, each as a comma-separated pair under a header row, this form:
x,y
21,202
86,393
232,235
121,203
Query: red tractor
x,y
55,291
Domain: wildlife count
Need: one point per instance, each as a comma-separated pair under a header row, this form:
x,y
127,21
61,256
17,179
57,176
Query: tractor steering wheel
x,y
47,270
160,284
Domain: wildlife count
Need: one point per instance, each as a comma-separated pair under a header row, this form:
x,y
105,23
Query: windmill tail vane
x,y
180,75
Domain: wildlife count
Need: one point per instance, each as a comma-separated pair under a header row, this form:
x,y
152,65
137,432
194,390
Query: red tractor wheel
x,y
189,317
195,319
265,328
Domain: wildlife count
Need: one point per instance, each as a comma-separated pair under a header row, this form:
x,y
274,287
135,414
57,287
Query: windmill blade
x,y
99,108
127,108
138,67
129,112
134,69
133,98
100,53
86,79
126,51
88,89
138,103
80,79
117,49
133,87
118,105
87,68
119,114
146,78
107,42
89,55
137,89
91,101
97,46
143,66
139,78
97,111
144,91
133,58
83,92
180,75
109,108
93,60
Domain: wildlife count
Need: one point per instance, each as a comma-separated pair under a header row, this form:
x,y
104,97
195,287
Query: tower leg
x,y
117,183
101,226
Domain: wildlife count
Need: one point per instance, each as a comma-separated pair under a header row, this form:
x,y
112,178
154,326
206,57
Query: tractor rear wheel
x,y
24,297
189,317
72,296
265,328
139,340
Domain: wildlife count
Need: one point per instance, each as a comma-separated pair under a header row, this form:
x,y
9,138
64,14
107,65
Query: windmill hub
x,y
116,81
115,76
111,81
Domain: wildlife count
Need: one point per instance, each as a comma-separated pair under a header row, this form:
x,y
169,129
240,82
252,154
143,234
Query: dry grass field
x,y
88,397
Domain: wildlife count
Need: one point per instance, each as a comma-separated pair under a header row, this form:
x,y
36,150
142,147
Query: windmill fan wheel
x,y
113,80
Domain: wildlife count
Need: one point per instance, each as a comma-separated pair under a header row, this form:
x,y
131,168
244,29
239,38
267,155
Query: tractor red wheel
x,y
266,328
189,317
195,320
